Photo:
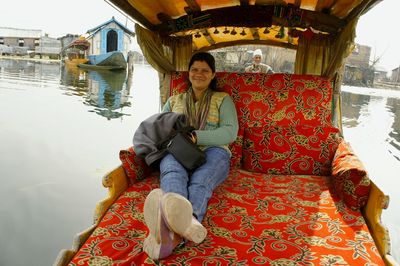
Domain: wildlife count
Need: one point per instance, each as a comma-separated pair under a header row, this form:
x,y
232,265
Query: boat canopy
x,y
81,44
322,31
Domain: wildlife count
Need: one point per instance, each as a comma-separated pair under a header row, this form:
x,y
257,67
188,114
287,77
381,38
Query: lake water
x,y
61,131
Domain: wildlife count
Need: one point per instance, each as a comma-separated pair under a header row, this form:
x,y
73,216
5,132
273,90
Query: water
x,y
61,131
371,123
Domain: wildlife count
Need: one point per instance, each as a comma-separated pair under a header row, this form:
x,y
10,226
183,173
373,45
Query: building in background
x,y
380,74
21,42
67,39
395,78
358,71
28,42
48,48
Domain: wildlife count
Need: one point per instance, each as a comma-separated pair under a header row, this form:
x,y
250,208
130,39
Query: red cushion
x,y
350,177
278,99
298,150
252,219
135,167
236,149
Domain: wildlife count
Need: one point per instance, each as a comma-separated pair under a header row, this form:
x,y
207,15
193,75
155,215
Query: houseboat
x,y
75,52
285,207
109,46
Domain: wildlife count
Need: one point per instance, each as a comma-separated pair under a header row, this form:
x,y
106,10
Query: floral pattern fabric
x,y
236,149
274,218
272,99
350,177
252,219
135,168
264,100
297,150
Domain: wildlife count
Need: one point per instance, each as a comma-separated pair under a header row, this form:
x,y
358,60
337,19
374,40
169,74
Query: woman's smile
x,y
200,75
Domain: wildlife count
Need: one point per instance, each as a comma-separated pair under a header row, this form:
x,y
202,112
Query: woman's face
x,y
200,75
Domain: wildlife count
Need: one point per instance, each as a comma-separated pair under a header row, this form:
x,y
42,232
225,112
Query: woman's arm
x,y
166,107
228,126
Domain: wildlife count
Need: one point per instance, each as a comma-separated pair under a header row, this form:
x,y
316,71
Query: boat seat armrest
x,y
372,213
350,178
135,167
117,182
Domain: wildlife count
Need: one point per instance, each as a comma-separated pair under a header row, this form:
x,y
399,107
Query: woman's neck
x,y
198,94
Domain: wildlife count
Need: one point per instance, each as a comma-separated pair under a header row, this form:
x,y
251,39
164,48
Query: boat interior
x,y
325,213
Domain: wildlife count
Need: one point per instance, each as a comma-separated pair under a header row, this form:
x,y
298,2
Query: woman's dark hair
x,y
209,59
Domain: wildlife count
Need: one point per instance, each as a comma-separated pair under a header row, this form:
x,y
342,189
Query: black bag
x,y
185,151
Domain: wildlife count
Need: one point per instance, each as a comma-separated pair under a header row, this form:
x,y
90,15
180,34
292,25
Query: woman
x,y
175,211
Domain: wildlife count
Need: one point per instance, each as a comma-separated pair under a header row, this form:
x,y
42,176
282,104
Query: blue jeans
x,y
196,186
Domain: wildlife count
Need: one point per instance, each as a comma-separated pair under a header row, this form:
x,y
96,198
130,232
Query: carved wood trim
x,y
244,42
193,6
208,37
372,213
254,32
116,182
253,16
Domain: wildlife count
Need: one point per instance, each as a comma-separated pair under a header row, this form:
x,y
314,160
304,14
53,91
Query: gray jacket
x,y
152,132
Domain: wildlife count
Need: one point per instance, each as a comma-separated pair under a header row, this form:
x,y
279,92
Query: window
x,y
21,42
37,42
1,40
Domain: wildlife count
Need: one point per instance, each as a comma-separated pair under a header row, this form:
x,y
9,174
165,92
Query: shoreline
x,y
45,60
377,85
387,85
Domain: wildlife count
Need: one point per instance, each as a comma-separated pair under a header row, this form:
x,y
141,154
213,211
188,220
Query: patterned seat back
x,y
271,100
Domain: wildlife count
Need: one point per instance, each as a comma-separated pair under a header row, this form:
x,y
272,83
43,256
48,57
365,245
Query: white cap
x,y
257,52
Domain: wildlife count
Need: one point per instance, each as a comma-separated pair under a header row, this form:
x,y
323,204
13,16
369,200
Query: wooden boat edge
x,y
372,213
117,182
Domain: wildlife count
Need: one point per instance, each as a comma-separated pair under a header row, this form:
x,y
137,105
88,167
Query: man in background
x,y
257,66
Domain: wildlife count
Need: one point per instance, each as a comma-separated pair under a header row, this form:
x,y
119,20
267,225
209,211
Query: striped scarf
x,y
197,116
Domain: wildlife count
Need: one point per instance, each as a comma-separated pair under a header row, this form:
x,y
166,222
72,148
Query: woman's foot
x,y
161,241
178,214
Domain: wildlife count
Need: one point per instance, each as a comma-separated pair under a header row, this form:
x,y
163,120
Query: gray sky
x,y
58,18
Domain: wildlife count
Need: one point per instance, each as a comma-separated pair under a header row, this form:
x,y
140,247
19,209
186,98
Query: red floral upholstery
x,y
236,149
272,99
297,150
252,219
256,218
135,168
350,177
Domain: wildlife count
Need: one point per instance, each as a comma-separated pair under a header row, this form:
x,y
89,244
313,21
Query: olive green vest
x,y
177,104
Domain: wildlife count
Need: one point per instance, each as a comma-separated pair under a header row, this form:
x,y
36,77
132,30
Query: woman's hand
x,y
193,137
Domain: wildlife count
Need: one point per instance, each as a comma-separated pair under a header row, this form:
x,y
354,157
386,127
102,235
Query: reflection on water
x,y
356,106
371,123
394,135
107,91
29,70
351,106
